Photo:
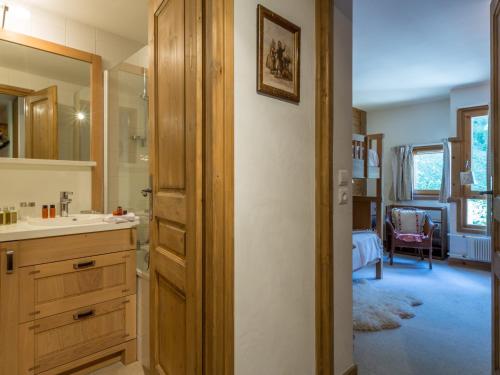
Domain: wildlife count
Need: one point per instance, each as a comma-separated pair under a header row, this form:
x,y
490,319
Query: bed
x,y
365,156
367,249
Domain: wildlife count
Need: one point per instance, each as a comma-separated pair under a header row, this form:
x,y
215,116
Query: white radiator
x,y
471,247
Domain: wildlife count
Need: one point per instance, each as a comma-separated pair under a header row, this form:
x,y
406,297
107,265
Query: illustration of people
x,y
271,58
278,61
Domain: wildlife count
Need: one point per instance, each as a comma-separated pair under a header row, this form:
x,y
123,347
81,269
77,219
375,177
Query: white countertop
x,y
25,231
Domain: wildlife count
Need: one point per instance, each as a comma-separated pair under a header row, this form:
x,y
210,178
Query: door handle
x,y
146,191
149,191
486,192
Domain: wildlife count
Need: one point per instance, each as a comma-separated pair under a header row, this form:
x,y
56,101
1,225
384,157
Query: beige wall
x,y
42,184
274,207
342,214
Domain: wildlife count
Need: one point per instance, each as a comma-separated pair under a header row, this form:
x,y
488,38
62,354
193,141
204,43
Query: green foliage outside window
x,y
427,170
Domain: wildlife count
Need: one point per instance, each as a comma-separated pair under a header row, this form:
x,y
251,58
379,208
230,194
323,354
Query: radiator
x,y
470,247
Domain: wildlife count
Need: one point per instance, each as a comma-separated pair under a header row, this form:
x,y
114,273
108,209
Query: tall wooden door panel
x,y
495,227
176,165
41,124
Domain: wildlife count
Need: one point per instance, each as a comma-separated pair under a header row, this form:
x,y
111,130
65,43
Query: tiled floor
x,y
119,369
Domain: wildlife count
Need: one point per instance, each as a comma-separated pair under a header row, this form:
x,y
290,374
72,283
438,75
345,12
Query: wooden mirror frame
x,y
96,103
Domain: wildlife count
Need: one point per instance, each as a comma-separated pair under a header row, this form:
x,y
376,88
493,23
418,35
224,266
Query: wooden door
x,y
41,124
176,167
495,166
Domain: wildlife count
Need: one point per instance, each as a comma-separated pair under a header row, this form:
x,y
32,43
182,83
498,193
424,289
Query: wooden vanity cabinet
x,y
61,311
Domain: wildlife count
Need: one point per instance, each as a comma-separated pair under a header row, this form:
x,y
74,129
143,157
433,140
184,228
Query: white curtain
x,y
445,191
402,173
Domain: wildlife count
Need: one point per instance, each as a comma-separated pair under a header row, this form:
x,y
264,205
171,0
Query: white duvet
x,y
367,247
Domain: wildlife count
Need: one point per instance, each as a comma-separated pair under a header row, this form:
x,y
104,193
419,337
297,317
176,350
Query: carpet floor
x,y
450,334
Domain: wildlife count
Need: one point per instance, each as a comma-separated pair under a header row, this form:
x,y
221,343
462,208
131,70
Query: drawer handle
x,y
83,265
84,314
10,261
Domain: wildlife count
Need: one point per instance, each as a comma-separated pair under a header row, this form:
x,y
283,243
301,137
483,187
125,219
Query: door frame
x,y
218,320
218,183
495,167
324,187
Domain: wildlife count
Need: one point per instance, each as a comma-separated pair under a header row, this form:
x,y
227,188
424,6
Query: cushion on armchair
x,y
408,221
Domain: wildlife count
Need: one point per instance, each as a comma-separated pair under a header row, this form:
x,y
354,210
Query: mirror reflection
x,y
44,105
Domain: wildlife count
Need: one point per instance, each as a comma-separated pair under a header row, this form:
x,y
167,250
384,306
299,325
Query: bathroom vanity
x,y
67,296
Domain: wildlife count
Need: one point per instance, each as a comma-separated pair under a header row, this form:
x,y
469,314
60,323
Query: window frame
x,y
425,194
464,148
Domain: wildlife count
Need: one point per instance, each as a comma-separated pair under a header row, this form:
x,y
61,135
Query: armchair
x,y
420,238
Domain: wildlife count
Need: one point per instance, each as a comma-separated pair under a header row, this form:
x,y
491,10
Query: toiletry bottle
x,y
6,215
31,209
22,212
45,211
52,211
13,215
2,216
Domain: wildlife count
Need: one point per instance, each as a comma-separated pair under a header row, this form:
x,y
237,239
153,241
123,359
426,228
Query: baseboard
x,y
353,370
469,263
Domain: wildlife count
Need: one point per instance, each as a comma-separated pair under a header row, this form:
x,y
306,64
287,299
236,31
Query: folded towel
x,y
129,217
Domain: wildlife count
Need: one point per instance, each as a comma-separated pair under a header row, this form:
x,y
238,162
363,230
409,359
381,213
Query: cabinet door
x,y
52,288
60,339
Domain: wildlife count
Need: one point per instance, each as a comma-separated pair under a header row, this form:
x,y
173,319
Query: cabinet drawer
x,y
52,288
60,339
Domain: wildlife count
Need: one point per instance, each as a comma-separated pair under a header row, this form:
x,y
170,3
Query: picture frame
x,y
278,56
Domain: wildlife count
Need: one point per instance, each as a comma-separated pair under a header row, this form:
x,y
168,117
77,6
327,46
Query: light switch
x,y
343,177
343,196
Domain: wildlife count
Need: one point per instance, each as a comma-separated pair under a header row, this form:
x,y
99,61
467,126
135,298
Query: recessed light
x,y
80,116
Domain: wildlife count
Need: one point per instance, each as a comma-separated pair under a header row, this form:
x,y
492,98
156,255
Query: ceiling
x,y
103,14
408,51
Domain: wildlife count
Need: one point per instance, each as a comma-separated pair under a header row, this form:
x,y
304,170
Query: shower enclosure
x,y
127,173
127,142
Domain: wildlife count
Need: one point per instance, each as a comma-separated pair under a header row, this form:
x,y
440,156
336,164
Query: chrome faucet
x,y
64,201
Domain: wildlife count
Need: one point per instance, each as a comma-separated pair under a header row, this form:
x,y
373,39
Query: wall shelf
x,y
47,162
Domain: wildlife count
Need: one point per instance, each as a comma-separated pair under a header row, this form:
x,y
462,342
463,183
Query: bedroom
x,y
421,93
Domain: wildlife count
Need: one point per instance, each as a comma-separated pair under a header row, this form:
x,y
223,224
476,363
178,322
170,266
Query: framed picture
x,y
278,56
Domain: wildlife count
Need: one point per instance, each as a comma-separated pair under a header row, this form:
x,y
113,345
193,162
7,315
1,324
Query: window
x,y
427,171
473,131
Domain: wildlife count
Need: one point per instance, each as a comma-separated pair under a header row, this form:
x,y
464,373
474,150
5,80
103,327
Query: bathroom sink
x,y
66,221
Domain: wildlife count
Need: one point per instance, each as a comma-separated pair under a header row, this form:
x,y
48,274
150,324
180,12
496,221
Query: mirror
x,y
45,101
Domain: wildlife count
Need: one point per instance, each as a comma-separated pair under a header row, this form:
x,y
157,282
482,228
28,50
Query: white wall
x,y
29,20
424,123
421,123
274,207
342,214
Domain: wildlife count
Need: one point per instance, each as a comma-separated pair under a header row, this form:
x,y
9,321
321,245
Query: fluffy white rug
x,y
375,309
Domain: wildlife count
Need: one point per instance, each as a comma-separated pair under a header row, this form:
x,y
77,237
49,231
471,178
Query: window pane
x,y
427,170
476,212
479,136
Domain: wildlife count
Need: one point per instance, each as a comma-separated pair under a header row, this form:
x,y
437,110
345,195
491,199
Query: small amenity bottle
x,y
45,211
13,215
52,211
6,215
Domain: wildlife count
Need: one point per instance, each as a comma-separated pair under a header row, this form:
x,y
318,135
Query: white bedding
x,y
367,247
